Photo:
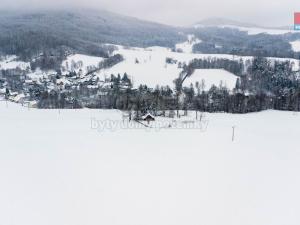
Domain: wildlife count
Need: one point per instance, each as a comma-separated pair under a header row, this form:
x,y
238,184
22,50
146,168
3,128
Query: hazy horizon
x,y
181,13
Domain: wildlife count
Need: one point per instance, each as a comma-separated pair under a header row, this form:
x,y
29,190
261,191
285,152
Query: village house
x,y
148,117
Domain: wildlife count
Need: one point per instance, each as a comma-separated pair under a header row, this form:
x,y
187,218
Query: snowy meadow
x,y
108,119
56,169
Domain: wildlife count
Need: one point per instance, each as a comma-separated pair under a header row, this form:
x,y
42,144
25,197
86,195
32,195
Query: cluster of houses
x,y
23,87
20,90
28,87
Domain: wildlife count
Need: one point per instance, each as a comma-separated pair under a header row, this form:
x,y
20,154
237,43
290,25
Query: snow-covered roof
x,y
18,97
13,93
63,80
147,116
3,91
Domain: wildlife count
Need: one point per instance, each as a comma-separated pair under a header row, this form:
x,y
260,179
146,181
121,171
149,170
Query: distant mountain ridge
x,y
28,33
55,32
218,21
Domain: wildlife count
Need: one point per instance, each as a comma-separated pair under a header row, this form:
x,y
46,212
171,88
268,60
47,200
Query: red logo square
x,y
297,18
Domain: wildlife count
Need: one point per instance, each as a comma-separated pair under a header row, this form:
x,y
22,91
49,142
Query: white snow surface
x,y
187,47
152,68
295,45
38,73
213,77
55,169
11,62
255,30
80,62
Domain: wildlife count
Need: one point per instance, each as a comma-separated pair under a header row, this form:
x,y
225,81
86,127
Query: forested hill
x,y
28,33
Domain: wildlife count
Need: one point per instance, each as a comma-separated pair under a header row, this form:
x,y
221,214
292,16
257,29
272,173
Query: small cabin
x,y
148,117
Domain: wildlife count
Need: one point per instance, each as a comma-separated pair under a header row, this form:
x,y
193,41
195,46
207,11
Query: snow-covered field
x,y
11,62
212,77
143,65
56,169
255,30
79,62
148,66
187,47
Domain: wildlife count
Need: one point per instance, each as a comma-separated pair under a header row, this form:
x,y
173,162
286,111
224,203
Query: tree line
x,y
262,84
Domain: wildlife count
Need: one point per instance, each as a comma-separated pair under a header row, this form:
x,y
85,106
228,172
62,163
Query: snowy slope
x,y
212,77
11,62
152,68
253,30
144,65
295,45
187,47
38,73
55,169
257,30
79,62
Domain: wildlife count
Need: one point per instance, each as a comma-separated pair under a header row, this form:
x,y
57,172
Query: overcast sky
x,y
180,12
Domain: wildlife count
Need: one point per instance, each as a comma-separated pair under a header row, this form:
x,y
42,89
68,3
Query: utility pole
x,y
233,133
